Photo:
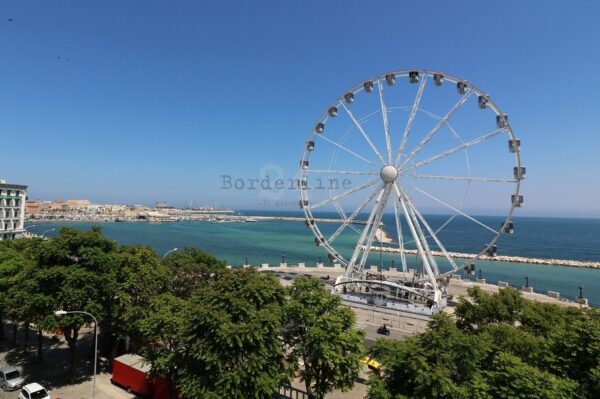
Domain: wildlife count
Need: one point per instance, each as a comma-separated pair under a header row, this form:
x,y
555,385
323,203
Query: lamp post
x,y
526,281
480,274
580,291
64,312
168,252
47,231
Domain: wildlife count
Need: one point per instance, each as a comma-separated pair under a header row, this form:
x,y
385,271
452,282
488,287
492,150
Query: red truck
x,y
131,372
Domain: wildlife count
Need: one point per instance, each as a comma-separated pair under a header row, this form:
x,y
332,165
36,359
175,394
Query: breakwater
x,y
499,258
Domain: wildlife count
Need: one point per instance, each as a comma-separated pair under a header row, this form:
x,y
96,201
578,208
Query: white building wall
x,y
12,210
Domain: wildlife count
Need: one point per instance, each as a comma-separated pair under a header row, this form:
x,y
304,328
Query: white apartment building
x,y
12,210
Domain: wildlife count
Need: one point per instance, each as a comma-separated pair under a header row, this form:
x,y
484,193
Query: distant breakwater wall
x,y
500,258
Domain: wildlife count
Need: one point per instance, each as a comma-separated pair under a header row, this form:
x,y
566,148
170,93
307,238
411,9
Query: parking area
x,y
52,371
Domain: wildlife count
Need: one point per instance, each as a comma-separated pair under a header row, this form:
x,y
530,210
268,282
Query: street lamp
x,y
47,231
64,312
580,291
168,252
527,282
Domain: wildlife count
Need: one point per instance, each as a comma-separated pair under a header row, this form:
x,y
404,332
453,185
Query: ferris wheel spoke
x,y
468,178
420,241
386,129
451,151
341,147
345,194
362,131
431,233
436,128
348,221
341,172
343,217
400,236
411,118
454,209
351,269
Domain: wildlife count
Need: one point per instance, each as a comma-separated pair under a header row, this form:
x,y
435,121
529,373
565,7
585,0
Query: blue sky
x,y
141,101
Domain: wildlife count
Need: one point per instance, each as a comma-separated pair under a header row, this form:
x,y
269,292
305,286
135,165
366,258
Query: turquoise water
x,y
269,241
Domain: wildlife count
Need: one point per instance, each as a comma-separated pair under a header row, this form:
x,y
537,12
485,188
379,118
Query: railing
x,y
288,392
537,291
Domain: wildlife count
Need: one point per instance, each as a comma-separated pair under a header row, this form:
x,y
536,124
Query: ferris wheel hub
x,y
389,173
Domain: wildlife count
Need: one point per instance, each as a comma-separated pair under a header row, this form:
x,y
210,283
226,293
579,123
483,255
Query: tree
x,y
230,338
161,329
319,332
11,261
500,347
139,279
482,308
190,268
32,301
511,378
439,363
80,277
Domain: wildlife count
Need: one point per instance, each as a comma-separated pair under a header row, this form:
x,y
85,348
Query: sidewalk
x,y
52,372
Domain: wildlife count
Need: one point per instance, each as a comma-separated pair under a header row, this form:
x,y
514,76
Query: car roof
x,y
7,369
33,387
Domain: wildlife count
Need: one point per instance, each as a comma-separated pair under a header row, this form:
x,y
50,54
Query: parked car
x,y
10,378
34,391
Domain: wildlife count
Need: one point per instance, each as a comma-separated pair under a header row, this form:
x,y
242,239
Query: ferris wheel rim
x,y
378,80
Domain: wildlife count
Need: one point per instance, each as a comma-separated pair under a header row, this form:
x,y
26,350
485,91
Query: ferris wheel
x,y
408,161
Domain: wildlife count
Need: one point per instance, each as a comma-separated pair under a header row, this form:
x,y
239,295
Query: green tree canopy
x,y
230,338
190,268
319,332
499,346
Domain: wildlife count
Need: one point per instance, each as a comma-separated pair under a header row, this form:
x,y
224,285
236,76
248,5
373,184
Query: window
x,y
41,394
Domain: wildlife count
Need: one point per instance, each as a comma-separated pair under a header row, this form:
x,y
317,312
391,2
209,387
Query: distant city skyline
x,y
135,103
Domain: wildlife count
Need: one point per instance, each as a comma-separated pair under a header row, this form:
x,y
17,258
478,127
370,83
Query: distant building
x,y
33,208
12,210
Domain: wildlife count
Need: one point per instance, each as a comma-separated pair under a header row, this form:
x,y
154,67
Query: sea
x,y
276,241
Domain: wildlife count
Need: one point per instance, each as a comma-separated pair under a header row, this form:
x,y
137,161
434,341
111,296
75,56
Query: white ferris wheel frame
x,y
381,191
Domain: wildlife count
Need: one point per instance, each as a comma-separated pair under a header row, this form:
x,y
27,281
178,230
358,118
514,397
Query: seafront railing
x,y
337,268
549,293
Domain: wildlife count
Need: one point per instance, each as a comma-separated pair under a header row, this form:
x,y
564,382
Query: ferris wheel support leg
x,y
432,263
418,241
375,227
431,234
400,236
350,269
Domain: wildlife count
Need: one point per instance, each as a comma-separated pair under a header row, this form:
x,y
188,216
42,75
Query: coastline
x,y
501,258
382,237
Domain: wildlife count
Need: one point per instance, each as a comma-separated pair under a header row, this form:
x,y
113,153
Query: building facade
x,y
12,210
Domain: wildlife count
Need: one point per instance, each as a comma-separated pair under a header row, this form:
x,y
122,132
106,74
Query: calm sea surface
x,y
269,241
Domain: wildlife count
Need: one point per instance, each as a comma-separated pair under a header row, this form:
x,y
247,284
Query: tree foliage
x,y
190,268
319,332
211,331
499,346
230,338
